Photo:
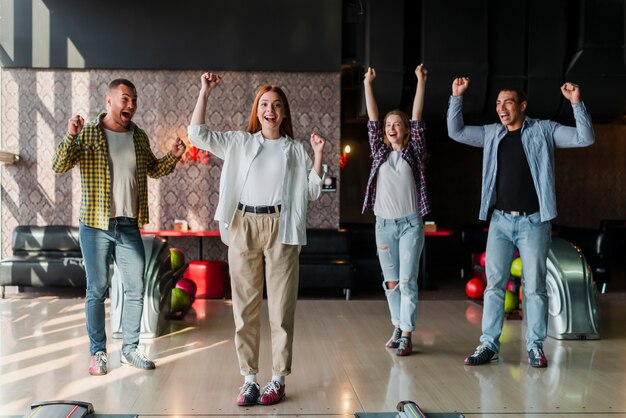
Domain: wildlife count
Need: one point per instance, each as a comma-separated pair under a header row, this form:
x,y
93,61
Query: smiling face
x,y
121,105
270,112
396,130
510,109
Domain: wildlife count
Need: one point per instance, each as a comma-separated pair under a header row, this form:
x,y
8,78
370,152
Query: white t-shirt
x,y
123,164
396,194
264,185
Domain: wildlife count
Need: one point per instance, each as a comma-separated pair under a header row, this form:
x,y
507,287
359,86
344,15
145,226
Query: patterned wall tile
x,y
37,104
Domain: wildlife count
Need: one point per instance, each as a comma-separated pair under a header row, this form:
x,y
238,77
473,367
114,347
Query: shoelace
x,y
479,350
137,357
537,352
273,386
101,357
248,388
403,343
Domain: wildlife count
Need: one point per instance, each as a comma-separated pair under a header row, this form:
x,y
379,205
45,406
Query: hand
x,y
75,125
178,148
317,142
370,75
460,86
571,92
209,81
421,72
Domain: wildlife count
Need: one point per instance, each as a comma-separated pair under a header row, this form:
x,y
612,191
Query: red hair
x,y
286,128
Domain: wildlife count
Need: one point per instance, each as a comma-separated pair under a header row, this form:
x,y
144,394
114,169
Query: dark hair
x,y
521,96
254,125
115,83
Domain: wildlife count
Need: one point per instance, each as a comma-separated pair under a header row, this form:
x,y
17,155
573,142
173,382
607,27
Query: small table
x,y
423,277
177,233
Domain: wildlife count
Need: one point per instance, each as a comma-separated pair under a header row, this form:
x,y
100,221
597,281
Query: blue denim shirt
x,y
539,139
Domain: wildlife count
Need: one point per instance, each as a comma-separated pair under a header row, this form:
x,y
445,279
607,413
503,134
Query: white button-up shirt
x,y
238,149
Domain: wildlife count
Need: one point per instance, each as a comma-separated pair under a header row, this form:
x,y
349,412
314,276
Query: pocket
x,y
535,219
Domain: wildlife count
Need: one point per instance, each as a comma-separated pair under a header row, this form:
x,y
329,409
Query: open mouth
x,y
270,119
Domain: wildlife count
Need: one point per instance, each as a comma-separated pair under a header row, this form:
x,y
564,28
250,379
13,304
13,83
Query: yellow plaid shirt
x,y
90,150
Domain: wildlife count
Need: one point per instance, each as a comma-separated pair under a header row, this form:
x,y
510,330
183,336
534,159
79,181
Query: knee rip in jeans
x,y
383,248
391,285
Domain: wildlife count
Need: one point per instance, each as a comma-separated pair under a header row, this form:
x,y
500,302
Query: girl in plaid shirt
x,y
396,191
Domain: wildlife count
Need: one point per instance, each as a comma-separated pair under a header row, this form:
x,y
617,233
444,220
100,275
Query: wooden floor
x,y
340,364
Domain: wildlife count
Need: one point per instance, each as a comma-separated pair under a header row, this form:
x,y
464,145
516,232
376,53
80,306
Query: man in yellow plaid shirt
x,y
115,159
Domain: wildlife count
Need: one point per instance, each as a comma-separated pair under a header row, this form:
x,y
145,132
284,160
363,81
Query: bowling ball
x,y
475,288
510,285
188,286
180,300
511,302
516,267
177,258
483,256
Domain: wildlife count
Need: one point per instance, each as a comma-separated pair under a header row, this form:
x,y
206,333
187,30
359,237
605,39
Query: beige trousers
x,y
254,254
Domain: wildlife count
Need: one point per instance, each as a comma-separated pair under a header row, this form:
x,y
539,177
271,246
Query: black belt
x,y
516,213
258,209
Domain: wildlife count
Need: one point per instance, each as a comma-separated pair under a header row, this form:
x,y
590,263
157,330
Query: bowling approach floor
x,y
340,364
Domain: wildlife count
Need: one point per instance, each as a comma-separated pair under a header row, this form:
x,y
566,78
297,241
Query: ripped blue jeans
x,y
399,244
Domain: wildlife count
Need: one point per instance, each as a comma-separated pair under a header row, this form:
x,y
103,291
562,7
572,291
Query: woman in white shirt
x,y
266,182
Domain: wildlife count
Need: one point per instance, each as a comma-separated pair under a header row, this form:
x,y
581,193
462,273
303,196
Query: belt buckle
x,y
515,213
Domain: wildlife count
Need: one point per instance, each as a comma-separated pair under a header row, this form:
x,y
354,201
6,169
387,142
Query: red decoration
x,y
343,160
195,155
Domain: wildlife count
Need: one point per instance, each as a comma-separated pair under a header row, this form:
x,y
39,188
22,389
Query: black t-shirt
x,y
515,190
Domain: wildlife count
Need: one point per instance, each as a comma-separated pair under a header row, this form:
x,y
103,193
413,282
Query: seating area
x,y
43,256
325,261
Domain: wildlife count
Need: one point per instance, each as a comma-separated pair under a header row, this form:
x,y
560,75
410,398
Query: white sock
x,y
279,379
250,378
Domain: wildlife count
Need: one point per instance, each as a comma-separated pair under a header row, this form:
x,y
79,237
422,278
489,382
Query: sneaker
x,y
273,392
137,359
405,347
98,364
395,338
482,355
536,358
248,394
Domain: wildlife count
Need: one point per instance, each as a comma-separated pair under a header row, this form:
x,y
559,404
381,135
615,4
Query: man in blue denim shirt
x,y
518,184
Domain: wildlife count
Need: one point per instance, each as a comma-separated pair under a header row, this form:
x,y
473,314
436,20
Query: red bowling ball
x,y
475,288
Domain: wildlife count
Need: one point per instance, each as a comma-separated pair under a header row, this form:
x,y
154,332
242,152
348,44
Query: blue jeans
x,y
399,243
122,243
532,239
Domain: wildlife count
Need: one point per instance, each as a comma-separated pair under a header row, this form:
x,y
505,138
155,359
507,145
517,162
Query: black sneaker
x,y
536,358
482,355
394,341
248,394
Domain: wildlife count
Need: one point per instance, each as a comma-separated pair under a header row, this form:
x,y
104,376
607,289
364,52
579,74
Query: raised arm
x,y
66,153
418,101
209,81
370,101
457,130
582,135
